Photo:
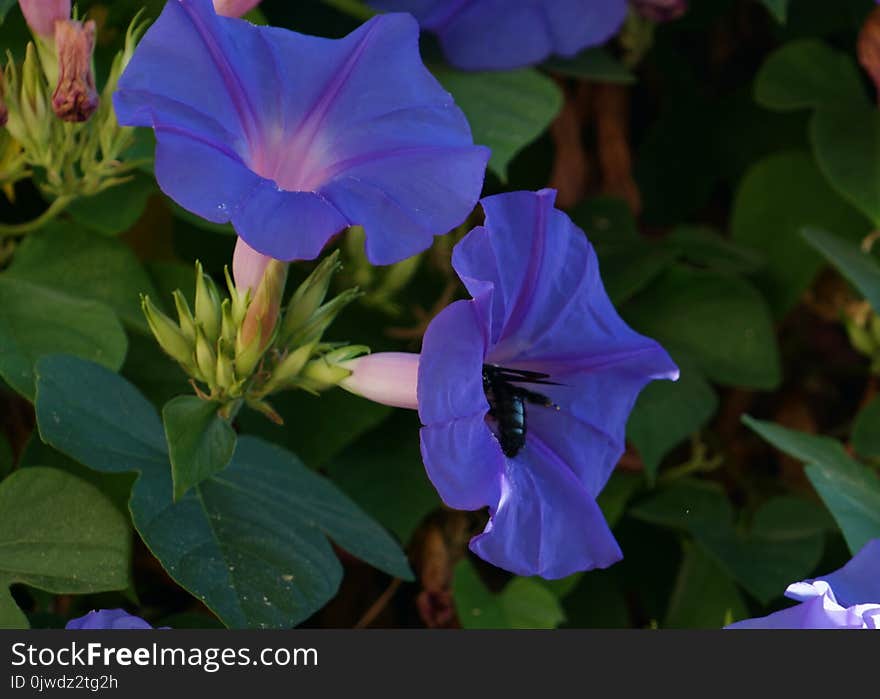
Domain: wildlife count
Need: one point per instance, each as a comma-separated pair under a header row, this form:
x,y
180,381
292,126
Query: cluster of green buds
x,y
57,124
863,327
241,349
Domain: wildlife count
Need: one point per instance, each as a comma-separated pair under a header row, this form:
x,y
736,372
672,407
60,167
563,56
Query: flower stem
x,y
55,208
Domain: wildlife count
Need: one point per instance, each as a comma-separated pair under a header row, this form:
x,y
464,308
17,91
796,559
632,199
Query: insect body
x,y
507,403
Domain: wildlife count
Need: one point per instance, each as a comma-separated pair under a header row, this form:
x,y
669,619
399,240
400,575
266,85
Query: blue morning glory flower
x,y
525,390
846,599
293,138
503,34
107,619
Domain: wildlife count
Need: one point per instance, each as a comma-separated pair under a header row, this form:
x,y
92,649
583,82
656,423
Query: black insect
x,y
507,402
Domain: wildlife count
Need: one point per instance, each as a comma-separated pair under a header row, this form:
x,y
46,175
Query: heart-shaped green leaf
x,y
251,542
59,534
35,320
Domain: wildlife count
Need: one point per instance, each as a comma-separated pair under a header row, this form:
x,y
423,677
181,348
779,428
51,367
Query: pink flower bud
x,y
41,15
248,266
389,378
661,10
75,98
234,8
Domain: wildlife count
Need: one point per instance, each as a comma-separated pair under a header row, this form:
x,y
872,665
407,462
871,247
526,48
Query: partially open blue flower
x,y
107,619
293,138
525,390
503,34
846,599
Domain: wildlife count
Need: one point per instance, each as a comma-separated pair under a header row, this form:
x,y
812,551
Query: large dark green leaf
x,y
778,197
506,110
846,141
857,266
719,321
850,490
200,442
783,543
81,264
35,320
808,73
251,541
383,472
59,534
705,596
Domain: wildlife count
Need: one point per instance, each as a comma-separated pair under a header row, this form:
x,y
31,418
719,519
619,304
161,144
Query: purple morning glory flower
x,y
846,599
525,390
107,619
293,138
503,34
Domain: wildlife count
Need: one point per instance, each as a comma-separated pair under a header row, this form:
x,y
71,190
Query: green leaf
x,y
251,541
115,209
506,110
704,247
850,490
628,268
617,493
859,267
200,442
58,534
719,321
383,472
687,505
783,544
595,65
82,264
35,321
778,197
598,602
524,603
667,412
778,8
606,220
316,427
705,596
846,141
866,430
807,73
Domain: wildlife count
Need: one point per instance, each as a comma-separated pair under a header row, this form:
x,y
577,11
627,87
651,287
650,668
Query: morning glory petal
x,y
858,582
450,384
545,522
333,132
107,619
503,34
468,476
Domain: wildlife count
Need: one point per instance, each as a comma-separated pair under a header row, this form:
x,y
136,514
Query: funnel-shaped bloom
x,y
502,34
41,15
525,390
293,138
107,619
846,599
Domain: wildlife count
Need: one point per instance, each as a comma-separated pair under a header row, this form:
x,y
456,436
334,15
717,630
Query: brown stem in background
x,y
376,608
868,47
611,109
570,167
